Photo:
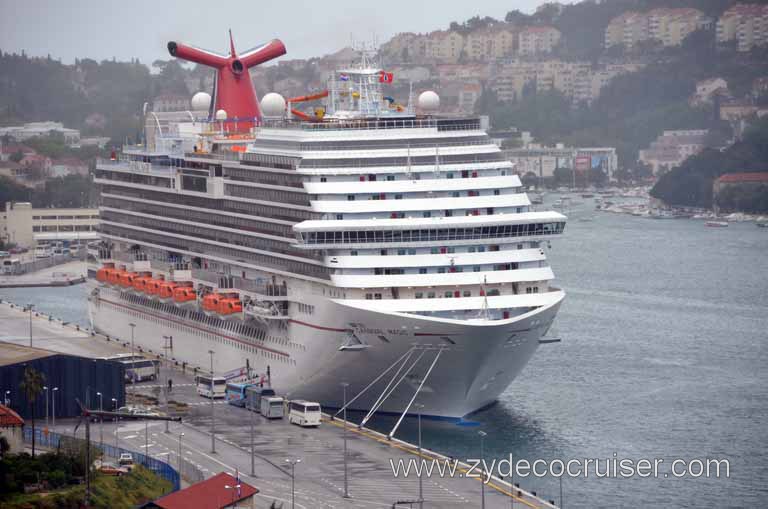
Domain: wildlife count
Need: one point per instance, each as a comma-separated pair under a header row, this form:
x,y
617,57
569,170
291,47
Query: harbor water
x,y
663,355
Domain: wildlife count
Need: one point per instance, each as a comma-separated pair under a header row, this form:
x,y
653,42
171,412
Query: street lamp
x,y
45,388
253,444
293,464
180,435
166,340
346,477
7,398
30,306
482,434
53,402
133,361
101,420
419,407
213,416
117,425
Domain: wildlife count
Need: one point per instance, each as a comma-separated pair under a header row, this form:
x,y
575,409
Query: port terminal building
x,y
67,378
26,226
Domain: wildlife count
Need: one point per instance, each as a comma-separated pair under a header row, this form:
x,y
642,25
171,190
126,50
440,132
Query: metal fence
x,y
56,441
44,263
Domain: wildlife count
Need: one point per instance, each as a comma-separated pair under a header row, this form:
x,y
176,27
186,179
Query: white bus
x,y
138,370
211,387
304,413
11,266
272,407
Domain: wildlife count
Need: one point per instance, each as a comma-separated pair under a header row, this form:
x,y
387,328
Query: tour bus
x,y
211,387
235,393
254,393
11,266
304,413
272,407
138,370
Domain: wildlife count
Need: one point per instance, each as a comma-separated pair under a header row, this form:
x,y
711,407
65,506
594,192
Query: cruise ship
x,y
360,241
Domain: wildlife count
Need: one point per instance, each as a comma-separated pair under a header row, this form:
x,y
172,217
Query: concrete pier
x,y
319,481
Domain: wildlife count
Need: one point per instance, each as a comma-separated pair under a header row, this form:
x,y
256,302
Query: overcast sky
x,y
102,29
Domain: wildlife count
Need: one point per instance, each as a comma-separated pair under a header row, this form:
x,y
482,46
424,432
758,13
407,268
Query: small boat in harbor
x,y
762,225
716,224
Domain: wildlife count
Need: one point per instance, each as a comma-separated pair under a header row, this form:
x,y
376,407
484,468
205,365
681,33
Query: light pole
x,y
7,398
344,385
293,464
117,425
253,445
30,306
166,340
180,435
53,402
419,406
482,459
101,420
45,388
133,361
213,417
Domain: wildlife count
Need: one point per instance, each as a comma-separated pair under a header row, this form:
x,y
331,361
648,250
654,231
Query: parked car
x,y
126,459
3,254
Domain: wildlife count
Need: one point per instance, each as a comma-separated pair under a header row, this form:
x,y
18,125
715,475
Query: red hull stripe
x,y
209,331
320,327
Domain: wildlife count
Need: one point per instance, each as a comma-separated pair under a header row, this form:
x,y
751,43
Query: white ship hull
x,y
478,359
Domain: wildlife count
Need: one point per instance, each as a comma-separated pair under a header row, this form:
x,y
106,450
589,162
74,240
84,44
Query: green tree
x,y
4,446
32,385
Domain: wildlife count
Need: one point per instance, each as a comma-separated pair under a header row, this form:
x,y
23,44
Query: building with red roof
x,y
11,427
741,192
221,490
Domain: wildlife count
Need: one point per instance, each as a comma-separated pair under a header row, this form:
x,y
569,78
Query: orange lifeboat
x,y
211,302
230,306
113,276
140,282
126,279
102,273
184,294
166,289
153,286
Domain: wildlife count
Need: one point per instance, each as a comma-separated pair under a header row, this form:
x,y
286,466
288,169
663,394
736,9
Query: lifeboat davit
x,y
229,306
184,294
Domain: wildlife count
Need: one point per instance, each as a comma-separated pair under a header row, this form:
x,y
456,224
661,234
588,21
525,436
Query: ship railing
x,y
401,161
400,145
442,124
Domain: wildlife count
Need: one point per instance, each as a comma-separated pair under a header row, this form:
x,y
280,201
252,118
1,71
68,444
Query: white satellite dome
x,y
273,105
201,101
221,115
429,101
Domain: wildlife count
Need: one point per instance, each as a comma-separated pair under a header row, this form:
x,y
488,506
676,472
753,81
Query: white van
x,y
272,407
11,266
304,413
43,252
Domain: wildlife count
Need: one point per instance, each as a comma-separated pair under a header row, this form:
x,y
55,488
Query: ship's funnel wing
x,y
263,53
197,55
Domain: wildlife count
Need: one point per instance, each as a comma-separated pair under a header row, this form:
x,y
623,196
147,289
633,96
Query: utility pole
x,y
117,425
180,435
344,385
213,416
293,464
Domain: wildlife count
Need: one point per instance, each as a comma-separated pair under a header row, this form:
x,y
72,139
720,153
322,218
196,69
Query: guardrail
x,y
56,440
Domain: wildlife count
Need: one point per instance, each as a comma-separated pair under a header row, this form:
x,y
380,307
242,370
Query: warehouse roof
x,y
11,353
